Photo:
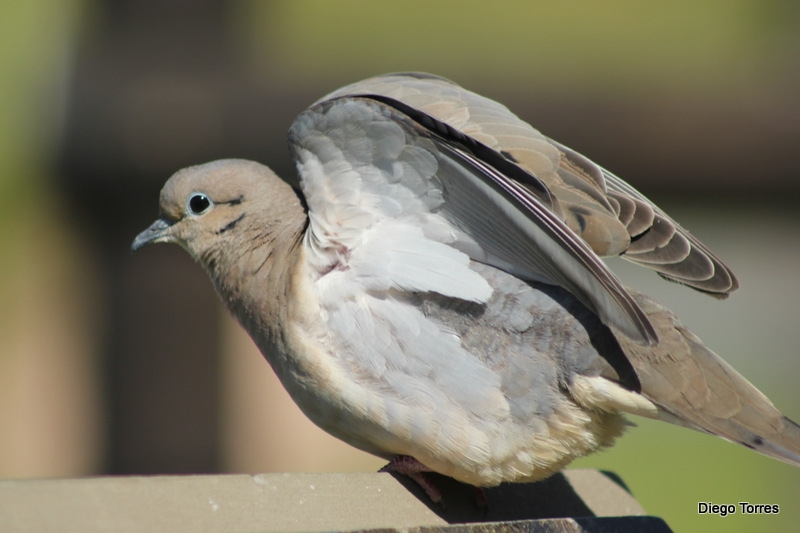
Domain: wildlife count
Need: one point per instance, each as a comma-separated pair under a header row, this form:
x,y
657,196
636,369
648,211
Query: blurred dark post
x,y
157,86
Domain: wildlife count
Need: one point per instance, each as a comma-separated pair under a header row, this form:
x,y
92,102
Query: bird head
x,y
205,206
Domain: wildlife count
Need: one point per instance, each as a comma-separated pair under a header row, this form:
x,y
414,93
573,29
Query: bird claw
x,y
413,469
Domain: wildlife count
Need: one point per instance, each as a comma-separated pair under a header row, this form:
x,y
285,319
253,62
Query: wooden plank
x,y
296,502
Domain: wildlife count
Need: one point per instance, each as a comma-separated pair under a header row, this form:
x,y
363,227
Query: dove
x,y
435,294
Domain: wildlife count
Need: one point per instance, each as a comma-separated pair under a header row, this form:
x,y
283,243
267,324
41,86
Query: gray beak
x,y
157,232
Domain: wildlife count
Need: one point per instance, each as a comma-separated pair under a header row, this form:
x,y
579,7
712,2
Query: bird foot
x,y
410,467
481,500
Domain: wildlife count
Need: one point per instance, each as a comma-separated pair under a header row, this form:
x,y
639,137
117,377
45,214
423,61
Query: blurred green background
x,y
111,363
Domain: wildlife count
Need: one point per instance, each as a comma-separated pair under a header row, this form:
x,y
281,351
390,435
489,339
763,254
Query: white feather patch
x,y
372,198
599,393
397,255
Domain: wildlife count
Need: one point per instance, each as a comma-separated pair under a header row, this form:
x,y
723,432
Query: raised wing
x,y
608,214
400,200
659,243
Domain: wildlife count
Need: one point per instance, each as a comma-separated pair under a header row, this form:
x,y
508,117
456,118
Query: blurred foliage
x,y
49,422
36,41
32,36
619,46
34,45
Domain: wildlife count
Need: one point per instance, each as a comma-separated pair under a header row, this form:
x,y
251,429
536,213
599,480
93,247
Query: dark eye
x,y
198,204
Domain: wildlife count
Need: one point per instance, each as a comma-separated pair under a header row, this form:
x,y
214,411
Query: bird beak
x,y
157,232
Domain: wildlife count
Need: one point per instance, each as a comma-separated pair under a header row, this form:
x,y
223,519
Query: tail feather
x,y
694,387
782,446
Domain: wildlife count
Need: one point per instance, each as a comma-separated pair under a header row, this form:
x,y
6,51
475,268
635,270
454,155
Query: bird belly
x,y
389,375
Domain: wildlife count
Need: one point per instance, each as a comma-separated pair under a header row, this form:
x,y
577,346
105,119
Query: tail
x,y
695,388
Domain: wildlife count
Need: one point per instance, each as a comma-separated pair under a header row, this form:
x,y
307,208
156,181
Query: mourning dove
x,y
437,295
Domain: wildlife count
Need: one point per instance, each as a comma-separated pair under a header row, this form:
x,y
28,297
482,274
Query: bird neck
x,y
254,282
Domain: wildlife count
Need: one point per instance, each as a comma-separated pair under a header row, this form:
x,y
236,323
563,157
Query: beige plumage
x,y
438,293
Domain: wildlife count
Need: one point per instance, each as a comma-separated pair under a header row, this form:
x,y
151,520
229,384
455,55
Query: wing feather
x,y
606,212
500,214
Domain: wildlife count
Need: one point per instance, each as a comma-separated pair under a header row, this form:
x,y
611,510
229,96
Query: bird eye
x,y
198,204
